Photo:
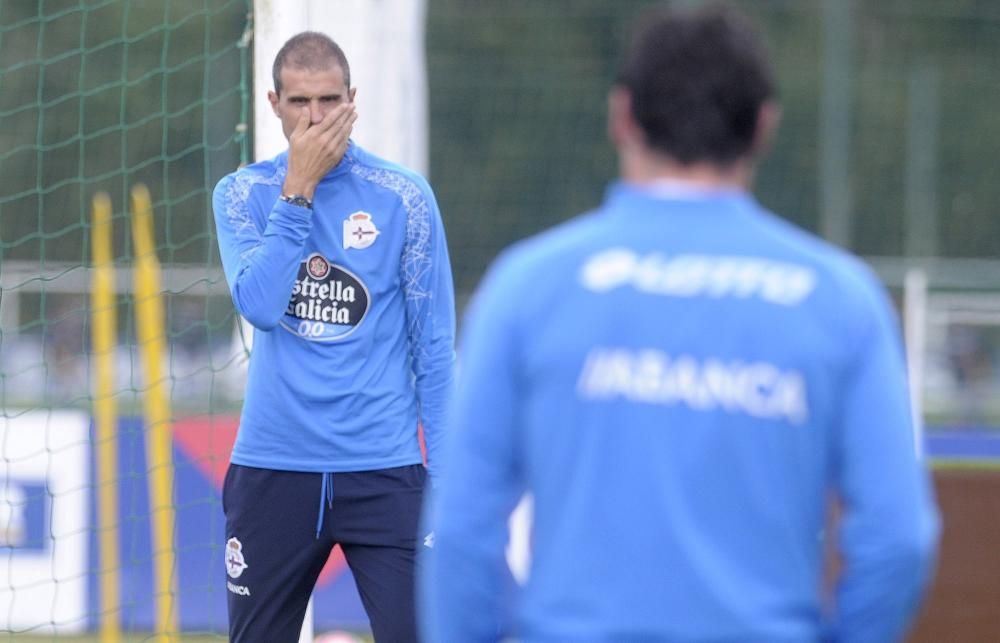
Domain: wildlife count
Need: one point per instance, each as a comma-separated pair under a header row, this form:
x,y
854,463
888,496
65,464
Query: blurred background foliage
x,y
518,107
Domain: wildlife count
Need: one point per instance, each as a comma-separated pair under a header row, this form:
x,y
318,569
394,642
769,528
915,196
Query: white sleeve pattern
x,y
237,198
416,260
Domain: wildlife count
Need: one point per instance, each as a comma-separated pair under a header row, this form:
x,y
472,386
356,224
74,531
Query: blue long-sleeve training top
x,y
680,380
353,312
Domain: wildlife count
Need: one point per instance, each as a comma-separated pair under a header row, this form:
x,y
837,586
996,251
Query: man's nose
x,y
315,112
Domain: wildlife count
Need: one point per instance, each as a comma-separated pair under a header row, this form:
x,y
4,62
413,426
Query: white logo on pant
x,y
235,563
242,590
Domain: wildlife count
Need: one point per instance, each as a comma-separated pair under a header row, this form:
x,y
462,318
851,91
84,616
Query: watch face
x,y
297,199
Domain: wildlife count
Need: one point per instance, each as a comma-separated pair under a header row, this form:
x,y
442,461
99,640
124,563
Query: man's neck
x,y
643,168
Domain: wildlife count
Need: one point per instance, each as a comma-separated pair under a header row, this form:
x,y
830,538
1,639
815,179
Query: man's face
x,y
317,91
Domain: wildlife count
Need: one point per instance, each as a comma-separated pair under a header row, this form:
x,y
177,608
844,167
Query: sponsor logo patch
x,y
235,563
359,231
328,301
648,376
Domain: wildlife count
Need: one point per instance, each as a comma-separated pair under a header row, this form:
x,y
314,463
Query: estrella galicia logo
x,y
328,302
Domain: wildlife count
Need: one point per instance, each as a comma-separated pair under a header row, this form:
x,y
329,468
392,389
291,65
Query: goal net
x,y
109,511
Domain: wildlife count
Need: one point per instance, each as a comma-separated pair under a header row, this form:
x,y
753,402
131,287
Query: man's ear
x,y
621,123
273,98
768,119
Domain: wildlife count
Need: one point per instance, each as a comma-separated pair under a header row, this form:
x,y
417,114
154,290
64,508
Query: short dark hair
x,y
698,79
309,50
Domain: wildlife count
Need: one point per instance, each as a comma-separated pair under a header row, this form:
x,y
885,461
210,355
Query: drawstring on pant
x,y
325,499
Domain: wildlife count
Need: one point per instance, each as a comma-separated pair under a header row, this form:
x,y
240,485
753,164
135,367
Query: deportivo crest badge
x,y
235,563
359,231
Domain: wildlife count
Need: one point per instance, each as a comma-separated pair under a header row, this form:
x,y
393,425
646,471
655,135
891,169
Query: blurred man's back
x,y
682,380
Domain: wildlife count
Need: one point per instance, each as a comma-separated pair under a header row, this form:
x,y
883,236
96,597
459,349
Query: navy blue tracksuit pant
x,y
281,527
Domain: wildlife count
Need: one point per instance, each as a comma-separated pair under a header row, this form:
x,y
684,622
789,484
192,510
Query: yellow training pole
x,y
150,335
103,335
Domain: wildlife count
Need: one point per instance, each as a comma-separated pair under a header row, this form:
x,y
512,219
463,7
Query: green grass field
x,y
945,464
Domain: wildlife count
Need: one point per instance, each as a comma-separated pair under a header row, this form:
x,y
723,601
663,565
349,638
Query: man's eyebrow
x,y
333,96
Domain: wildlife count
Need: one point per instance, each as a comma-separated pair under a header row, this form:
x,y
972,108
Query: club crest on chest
x,y
359,231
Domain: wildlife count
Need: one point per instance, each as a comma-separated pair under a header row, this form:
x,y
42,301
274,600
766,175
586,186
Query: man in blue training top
x,y
681,381
338,259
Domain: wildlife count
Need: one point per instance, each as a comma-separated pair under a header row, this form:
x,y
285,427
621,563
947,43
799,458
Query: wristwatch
x,y
297,199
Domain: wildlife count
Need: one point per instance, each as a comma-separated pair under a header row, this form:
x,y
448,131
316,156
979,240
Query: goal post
x,y
950,312
915,329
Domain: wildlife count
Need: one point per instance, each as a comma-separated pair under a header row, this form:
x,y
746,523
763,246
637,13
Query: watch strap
x,y
297,200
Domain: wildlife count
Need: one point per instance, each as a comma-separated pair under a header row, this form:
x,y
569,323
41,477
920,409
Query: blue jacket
x,y
353,312
680,381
